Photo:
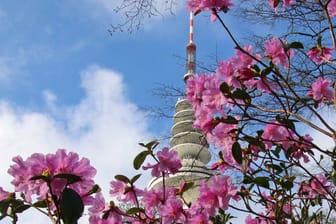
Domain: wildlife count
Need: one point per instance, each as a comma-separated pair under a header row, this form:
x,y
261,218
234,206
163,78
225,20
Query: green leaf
x,y
247,180
237,152
188,186
333,177
40,204
220,155
266,71
151,145
95,188
133,211
135,178
276,168
276,151
4,206
139,159
20,208
241,94
319,41
122,178
41,177
71,178
225,89
229,120
255,68
295,45
288,185
262,181
72,206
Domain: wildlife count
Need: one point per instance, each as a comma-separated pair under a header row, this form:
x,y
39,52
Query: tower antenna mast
x,y
191,50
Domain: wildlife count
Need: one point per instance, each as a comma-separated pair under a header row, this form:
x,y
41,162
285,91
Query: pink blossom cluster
x,y
168,163
277,134
99,207
205,5
274,3
321,90
238,71
320,54
332,8
4,194
47,166
318,186
196,6
164,203
275,49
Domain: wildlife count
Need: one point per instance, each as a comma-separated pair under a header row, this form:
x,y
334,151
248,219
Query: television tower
x,y
188,142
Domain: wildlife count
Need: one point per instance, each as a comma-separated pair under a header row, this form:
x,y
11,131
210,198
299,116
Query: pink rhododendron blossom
x,y
262,84
152,199
258,220
99,207
48,166
216,194
124,192
222,137
285,3
172,211
3,194
320,54
203,5
196,214
274,49
332,8
318,186
321,90
169,163
276,134
228,72
195,87
237,70
301,147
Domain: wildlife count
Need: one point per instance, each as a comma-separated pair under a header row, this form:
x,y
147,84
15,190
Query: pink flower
x,y
222,137
276,134
124,192
172,211
195,87
320,54
169,163
321,90
275,50
318,186
332,8
262,84
217,194
208,199
98,208
237,70
203,5
257,220
153,198
49,166
285,3
3,194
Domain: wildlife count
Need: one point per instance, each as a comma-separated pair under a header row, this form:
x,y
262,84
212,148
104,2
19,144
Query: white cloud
x,y
105,127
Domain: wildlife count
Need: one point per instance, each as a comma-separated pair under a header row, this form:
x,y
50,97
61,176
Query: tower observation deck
x,y
188,142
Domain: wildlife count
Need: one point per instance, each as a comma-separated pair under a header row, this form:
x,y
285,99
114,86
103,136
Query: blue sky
x,y
65,82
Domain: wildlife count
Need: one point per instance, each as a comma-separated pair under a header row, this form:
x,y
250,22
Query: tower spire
x,y
191,50
188,142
